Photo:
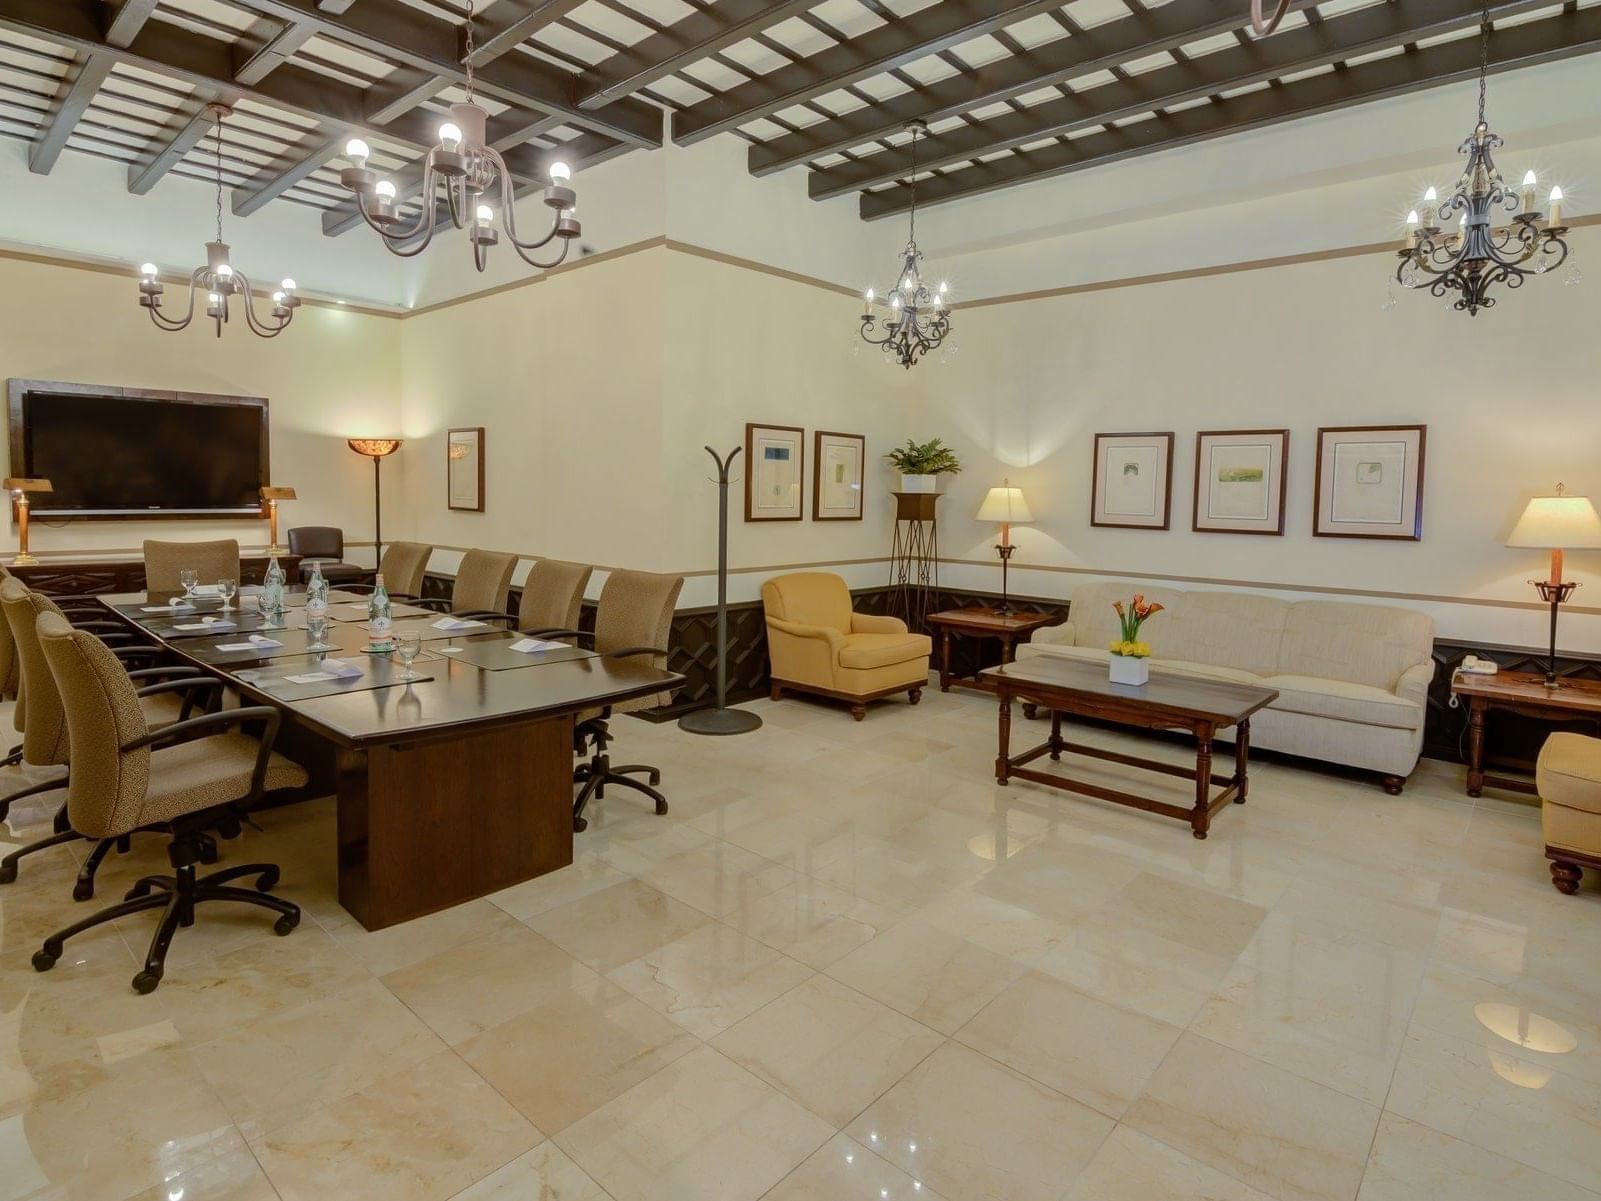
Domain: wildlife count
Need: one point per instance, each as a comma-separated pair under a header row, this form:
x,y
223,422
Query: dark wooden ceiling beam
x,y
397,33
302,161
400,93
78,92
257,64
1567,35
1097,49
1288,51
207,65
894,44
190,128
509,23
695,37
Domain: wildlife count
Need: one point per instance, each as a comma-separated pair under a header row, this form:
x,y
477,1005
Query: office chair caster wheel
x,y
208,852
145,982
8,873
580,824
268,880
655,777
661,808
285,924
83,890
43,960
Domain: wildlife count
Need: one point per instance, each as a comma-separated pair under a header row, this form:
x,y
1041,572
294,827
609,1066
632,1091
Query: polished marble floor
x,y
848,967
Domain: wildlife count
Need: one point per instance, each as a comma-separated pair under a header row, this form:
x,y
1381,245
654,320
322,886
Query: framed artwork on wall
x,y
1133,481
1240,481
464,469
1369,482
837,467
775,457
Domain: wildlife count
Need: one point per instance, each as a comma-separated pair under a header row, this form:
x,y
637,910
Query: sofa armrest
x,y
869,623
824,633
1061,635
1414,682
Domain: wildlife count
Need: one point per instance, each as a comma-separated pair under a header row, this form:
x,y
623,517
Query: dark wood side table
x,y
1523,693
980,621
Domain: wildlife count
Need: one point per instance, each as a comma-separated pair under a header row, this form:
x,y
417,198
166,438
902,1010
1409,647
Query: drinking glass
x,y
226,589
317,629
407,647
188,578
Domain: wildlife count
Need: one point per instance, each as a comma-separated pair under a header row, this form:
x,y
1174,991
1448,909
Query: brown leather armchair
x,y
817,644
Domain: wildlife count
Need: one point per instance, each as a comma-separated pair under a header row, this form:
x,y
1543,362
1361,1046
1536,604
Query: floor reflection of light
x,y
993,847
1515,1071
1524,1029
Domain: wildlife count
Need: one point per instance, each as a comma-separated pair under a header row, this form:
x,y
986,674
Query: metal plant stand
x,y
914,558
722,719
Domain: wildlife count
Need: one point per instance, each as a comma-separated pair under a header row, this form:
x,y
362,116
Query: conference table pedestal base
x,y
428,824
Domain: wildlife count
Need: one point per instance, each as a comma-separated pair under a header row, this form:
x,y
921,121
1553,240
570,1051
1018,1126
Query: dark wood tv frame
x,y
17,389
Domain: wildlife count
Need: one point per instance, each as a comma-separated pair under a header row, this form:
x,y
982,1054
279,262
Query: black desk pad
x,y
376,672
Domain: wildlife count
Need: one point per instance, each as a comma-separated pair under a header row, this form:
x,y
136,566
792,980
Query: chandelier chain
x,y
472,50
218,140
913,233
1484,57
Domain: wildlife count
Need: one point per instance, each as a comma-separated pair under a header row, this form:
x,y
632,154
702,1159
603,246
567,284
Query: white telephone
x,y
1474,665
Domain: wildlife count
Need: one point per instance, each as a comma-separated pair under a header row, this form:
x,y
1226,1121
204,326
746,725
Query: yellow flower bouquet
x,y
1129,653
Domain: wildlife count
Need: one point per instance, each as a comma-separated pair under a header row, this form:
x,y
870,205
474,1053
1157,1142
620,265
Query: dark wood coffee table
x,y
1201,708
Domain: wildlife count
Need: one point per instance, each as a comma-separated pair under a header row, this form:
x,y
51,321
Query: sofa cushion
x,y
882,650
1229,629
1344,701
1095,621
1365,644
1179,667
1569,772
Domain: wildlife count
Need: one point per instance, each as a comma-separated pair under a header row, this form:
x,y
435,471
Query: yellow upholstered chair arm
x,y
869,623
1061,635
798,630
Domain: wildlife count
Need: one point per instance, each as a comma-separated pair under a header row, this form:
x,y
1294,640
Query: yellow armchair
x,y
817,644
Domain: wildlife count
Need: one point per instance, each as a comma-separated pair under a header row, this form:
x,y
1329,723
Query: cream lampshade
x,y
1007,507
1557,523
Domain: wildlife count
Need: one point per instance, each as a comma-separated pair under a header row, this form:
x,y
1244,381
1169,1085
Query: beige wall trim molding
x,y
694,574
130,274
1277,586
604,256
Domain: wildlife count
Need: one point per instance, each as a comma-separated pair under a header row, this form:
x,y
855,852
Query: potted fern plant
x,y
922,463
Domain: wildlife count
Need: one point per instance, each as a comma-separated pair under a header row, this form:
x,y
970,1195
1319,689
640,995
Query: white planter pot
x,y
919,483
1130,669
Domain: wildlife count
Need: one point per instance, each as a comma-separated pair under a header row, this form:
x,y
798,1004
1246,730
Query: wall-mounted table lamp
x,y
19,489
1557,523
1006,506
270,496
376,449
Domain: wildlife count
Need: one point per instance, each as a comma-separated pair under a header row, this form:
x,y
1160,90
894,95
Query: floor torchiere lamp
x,y
270,496
19,489
376,449
1557,523
1007,507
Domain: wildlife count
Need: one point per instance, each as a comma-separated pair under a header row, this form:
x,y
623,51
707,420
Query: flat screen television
x,y
127,452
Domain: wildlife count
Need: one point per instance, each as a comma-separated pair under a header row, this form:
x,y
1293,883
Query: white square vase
x,y
919,483
1130,669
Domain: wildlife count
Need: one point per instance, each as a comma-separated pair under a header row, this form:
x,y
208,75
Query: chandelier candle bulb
x,y
1529,183
1554,208
450,136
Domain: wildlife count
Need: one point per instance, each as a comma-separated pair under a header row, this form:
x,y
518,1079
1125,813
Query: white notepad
x,y
459,623
531,646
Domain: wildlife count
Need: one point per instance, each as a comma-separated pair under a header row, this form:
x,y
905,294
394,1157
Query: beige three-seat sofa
x,y
1352,679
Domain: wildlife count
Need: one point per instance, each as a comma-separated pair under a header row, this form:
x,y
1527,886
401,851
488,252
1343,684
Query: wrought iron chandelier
x,y
1477,255
218,279
1263,24
918,319
470,173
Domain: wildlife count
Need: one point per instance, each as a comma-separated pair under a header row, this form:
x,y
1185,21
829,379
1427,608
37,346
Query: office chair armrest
x,y
189,685
636,650
170,671
485,615
139,652
214,723
439,604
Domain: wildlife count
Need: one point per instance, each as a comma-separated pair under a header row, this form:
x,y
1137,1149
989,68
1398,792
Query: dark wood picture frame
x,y
19,390
1163,436
817,474
1284,479
751,469
1416,532
477,431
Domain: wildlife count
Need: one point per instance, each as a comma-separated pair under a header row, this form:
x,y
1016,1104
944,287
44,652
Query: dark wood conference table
x,y
450,787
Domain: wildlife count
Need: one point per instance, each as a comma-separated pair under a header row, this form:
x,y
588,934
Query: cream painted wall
x,y
599,389
1509,398
332,374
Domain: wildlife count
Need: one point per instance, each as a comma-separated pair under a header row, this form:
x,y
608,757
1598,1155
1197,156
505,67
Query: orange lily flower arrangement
x,y
1131,618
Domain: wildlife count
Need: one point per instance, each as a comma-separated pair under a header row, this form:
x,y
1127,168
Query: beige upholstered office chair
x,y
817,644
403,566
166,695
483,582
10,672
211,561
191,776
634,617
553,596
